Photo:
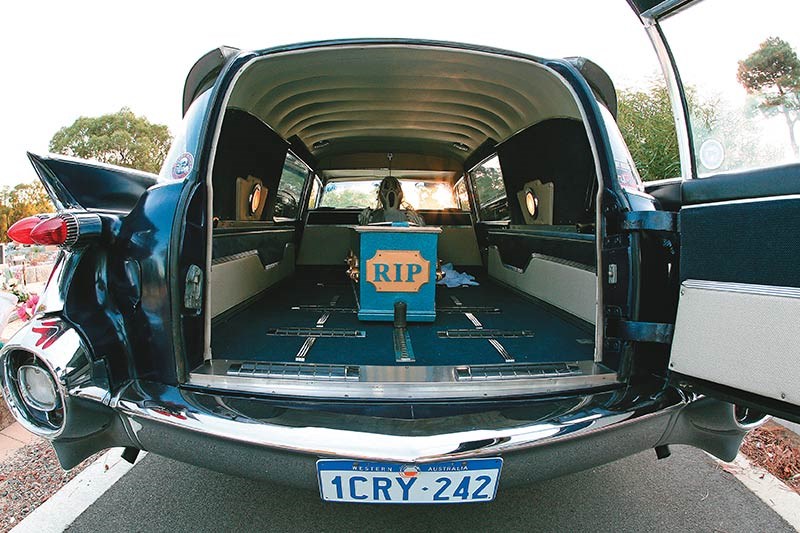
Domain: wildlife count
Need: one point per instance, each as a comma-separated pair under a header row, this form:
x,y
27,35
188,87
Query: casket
x,y
396,263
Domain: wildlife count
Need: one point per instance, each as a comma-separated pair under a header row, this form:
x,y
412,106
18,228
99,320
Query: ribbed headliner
x,y
416,99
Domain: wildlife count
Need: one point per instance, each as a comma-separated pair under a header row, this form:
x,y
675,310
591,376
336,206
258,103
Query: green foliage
x,y
648,126
646,121
120,138
773,74
342,195
21,201
488,182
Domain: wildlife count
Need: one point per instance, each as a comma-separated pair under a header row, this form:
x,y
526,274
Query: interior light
x,y
532,203
255,198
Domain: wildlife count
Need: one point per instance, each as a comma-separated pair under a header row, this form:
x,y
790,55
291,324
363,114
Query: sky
x,y
64,60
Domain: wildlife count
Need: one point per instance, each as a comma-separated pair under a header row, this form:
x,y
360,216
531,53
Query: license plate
x,y
466,481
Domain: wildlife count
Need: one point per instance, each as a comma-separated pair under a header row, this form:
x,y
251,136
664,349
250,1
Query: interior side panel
x,y
245,263
240,277
563,284
557,151
247,147
517,244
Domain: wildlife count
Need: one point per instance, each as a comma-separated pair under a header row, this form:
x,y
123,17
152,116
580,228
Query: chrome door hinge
x,y
654,221
640,331
193,293
612,274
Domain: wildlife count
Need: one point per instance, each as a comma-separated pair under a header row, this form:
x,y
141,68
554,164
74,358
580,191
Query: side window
x,y
290,188
313,198
487,181
462,198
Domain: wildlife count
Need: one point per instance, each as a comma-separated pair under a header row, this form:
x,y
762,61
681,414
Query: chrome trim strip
x,y
742,288
480,333
520,371
675,97
403,350
744,201
468,309
501,350
322,319
403,382
472,318
294,371
315,332
304,349
667,8
325,308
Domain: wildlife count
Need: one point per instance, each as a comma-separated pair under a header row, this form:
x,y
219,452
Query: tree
x,y
22,201
648,126
773,73
120,138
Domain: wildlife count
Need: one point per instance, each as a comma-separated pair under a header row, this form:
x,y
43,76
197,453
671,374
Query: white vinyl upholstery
x,y
563,284
742,336
237,278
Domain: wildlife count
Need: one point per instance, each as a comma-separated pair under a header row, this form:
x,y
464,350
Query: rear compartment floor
x,y
243,335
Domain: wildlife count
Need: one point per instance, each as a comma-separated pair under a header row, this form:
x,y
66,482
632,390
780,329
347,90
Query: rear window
x,y
358,194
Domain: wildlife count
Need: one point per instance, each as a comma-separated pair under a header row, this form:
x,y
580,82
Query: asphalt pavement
x,y
686,492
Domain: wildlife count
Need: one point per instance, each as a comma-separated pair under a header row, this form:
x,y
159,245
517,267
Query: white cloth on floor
x,y
453,278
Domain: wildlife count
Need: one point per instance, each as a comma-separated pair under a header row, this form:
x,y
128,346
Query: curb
x,y
57,513
769,489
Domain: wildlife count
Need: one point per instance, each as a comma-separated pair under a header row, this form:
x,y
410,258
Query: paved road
x,y
687,492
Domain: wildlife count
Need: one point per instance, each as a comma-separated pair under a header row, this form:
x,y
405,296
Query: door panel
x,y
737,332
741,336
745,241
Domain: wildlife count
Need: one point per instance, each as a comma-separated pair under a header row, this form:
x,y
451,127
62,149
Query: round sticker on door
x,y
183,165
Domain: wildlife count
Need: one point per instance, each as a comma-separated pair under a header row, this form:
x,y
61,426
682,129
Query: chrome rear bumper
x,y
538,440
280,440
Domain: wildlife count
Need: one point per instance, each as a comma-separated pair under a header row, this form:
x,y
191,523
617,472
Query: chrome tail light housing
x,y
33,393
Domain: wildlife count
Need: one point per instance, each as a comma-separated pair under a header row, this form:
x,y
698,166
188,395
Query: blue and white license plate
x,y
469,480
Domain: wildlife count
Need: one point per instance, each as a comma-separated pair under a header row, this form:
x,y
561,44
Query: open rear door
x,y
737,331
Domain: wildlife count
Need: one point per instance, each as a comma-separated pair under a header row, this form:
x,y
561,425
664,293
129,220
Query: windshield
x,y
742,83
357,194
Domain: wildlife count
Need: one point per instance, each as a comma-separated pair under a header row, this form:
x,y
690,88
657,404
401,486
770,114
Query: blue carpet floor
x,y
244,336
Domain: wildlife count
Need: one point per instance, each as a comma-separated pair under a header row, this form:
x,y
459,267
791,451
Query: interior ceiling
x,y
398,98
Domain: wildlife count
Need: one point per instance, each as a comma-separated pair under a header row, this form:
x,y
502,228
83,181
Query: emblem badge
x,y
183,166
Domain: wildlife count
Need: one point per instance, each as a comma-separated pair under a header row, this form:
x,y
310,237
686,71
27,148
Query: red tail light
x,y
20,231
67,229
51,231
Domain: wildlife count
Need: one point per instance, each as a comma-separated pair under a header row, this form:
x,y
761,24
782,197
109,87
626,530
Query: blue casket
x,y
397,262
